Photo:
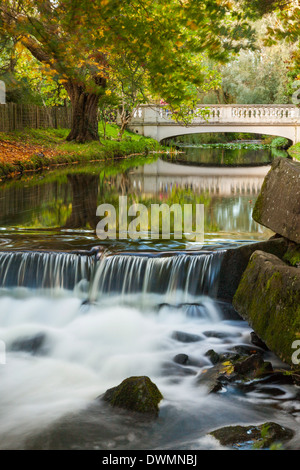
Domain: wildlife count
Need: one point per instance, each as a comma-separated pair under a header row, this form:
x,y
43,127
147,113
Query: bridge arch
x,y
288,133
274,120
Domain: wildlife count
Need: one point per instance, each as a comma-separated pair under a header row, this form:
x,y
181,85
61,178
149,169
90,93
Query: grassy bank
x,y
35,149
294,151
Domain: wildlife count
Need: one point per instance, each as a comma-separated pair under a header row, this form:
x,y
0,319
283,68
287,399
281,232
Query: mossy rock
x,y
261,437
292,255
138,394
268,298
233,368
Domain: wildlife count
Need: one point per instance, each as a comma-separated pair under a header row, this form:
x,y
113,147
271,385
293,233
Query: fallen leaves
x,y
11,152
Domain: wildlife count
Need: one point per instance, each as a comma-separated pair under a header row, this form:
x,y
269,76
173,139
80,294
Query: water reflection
x,y
235,156
58,209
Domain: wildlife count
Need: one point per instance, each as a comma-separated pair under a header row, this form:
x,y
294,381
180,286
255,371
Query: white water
x,y
85,353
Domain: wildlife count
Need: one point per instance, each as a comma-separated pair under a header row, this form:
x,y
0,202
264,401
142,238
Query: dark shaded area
x,y
235,261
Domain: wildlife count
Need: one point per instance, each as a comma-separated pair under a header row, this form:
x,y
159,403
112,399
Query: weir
x,y
192,274
189,274
43,270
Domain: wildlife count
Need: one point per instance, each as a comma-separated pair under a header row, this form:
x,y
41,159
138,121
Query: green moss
x,y
258,208
292,256
269,299
257,437
270,281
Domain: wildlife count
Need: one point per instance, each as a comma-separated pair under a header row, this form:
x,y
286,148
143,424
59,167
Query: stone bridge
x,y
276,120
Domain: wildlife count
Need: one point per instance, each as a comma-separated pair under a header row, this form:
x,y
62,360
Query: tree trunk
x,y
84,126
85,188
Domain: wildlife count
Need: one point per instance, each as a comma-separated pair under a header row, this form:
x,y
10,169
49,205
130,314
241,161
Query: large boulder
x,y
278,204
235,261
138,394
268,298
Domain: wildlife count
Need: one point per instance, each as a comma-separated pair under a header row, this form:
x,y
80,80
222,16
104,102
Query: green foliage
x,y
260,75
280,143
257,77
91,43
294,151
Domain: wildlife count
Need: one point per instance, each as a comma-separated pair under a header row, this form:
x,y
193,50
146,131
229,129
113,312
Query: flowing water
x,y
75,321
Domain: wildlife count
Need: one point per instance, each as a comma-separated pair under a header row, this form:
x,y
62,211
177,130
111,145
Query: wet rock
x,y
213,356
185,337
33,344
252,367
262,436
245,350
171,368
182,359
212,378
231,368
268,298
271,391
236,353
138,394
256,341
215,334
278,204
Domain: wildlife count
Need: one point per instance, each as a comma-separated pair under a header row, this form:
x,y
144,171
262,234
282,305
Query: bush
x,y
280,143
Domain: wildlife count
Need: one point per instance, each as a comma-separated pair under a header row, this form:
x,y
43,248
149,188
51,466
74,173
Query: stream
x,y
78,315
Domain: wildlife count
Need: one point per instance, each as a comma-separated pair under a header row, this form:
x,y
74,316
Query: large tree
x,y
78,40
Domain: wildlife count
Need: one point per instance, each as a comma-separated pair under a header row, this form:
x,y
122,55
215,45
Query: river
x,y
75,322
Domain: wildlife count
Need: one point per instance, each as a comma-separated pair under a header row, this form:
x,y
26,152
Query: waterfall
x,y
189,274
44,270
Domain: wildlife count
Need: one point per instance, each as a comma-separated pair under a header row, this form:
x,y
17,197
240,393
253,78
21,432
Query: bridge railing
x,y
155,115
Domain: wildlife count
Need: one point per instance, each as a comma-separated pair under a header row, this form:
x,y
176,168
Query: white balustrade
x,y
220,114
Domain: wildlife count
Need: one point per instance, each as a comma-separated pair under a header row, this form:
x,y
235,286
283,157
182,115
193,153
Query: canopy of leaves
x,y
84,41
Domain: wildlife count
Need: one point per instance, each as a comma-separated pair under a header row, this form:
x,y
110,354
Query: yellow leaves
x,y
228,367
13,152
227,3
192,25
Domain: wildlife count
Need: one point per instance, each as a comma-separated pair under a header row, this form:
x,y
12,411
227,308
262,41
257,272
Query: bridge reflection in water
x,y
70,203
160,177
232,192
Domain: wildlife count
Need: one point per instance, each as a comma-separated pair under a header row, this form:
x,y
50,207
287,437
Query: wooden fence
x,y
19,116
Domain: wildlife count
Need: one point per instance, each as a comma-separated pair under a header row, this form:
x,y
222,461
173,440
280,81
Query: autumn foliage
x,y
83,45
